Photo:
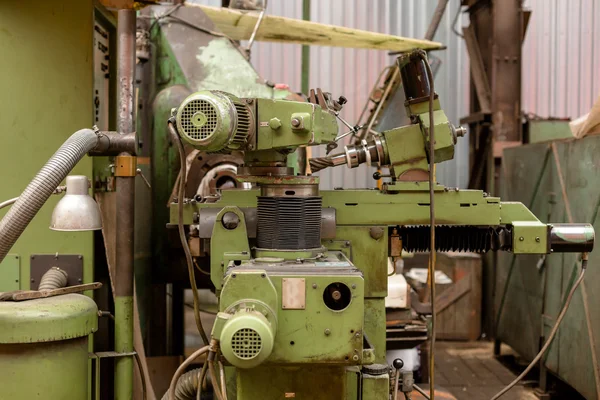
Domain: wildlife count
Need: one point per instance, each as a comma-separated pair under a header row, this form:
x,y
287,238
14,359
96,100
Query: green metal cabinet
x,y
529,291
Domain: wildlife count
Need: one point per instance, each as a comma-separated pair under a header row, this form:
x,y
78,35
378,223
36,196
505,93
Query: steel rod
x,y
123,283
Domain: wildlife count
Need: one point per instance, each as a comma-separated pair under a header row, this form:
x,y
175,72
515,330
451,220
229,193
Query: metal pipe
x,y
42,186
115,143
436,19
125,209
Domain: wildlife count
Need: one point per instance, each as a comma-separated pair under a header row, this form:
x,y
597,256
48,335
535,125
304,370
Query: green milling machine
x,y
300,273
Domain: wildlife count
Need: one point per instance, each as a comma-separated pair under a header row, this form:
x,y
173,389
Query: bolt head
x,y
327,332
314,285
537,239
295,122
355,357
521,239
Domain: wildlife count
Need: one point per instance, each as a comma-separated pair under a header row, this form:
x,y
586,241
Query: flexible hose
x,y
186,249
54,278
182,367
187,386
42,186
553,332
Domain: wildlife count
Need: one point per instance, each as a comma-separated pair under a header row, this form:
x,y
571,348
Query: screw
x,y
314,285
79,280
336,295
353,286
355,357
80,257
33,280
233,276
357,334
295,122
537,239
347,244
263,275
521,238
327,332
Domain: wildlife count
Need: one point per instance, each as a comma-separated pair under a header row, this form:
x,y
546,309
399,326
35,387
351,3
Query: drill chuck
x,y
371,151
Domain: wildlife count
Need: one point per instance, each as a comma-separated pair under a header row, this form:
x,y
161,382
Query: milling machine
x,y
301,274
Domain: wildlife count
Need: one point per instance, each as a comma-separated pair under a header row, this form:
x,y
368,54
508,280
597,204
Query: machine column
x,y
125,167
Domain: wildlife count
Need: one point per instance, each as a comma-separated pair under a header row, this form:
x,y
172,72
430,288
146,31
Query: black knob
x,y
398,363
342,100
377,175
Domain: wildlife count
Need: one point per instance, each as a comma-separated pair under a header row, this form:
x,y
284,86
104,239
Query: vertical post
x,y
305,51
123,281
304,153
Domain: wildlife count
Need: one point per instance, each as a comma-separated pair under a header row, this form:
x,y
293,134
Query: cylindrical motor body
x,y
572,238
215,121
414,77
289,217
247,338
44,347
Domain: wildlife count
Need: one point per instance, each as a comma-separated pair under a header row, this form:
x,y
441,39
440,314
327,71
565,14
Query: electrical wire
x,y
456,32
9,202
421,391
553,332
253,36
215,381
182,368
182,237
223,381
138,362
431,270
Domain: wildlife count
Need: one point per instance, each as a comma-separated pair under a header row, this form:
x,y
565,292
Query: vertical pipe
x,y
123,280
305,153
305,51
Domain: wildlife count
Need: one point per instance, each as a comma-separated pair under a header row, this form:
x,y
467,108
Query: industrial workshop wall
x,y
561,58
353,72
46,95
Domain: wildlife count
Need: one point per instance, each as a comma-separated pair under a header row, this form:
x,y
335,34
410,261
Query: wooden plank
x,y
452,294
480,78
238,25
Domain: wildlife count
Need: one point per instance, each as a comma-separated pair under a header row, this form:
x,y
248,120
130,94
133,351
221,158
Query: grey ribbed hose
x,y
54,278
41,187
187,386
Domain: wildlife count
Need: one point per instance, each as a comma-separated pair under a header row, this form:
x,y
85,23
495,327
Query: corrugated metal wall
x,y
561,57
561,63
353,72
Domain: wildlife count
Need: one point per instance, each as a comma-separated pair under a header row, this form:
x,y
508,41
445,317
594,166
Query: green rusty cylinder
x,y
44,347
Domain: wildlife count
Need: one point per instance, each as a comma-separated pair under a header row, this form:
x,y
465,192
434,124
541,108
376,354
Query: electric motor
x,y
215,121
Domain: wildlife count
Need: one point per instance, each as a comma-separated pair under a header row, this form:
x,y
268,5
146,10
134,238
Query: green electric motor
x,y
44,347
247,338
215,121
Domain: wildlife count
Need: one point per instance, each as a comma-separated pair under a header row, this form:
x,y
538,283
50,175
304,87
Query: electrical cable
x,y
138,362
182,237
421,391
182,368
215,381
223,381
431,270
9,202
457,33
561,315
